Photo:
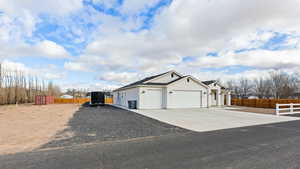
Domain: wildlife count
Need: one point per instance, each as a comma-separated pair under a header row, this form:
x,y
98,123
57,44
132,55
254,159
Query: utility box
x,y
97,98
132,104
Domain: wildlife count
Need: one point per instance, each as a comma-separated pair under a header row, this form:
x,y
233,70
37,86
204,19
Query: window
x,y
215,96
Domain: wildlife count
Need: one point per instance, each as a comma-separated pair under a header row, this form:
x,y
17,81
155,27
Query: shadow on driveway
x,y
108,123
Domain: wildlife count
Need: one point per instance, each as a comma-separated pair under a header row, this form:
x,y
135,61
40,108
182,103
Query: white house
x,y
172,90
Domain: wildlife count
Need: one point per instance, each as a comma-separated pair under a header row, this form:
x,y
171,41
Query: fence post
x,y
277,109
292,107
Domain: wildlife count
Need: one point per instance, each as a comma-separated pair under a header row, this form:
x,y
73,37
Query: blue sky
x,y
100,44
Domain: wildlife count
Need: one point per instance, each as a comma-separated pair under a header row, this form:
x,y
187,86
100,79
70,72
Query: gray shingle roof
x,y
141,82
209,82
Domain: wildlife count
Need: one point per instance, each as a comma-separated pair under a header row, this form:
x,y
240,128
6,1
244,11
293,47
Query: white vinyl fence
x,y
291,108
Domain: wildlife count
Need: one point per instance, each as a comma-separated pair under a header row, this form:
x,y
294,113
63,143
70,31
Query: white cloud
x,y
254,58
224,76
46,73
123,77
51,49
134,6
47,49
185,28
193,28
89,86
213,23
18,21
73,66
13,29
36,7
19,18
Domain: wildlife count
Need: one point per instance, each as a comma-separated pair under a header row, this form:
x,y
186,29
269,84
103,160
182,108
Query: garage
x,y
152,99
172,90
186,99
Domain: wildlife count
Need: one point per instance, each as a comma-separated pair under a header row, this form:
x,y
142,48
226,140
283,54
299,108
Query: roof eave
x,y
172,71
135,86
195,79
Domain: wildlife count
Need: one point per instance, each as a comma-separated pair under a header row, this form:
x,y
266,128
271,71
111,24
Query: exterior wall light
x,y
204,93
170,92
143,91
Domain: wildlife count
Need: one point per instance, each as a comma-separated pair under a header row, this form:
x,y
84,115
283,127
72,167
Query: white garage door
x,y
186,99
153,99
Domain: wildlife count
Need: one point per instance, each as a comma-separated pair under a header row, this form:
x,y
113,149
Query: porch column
x,y
222,98
208,93
219,97
228,99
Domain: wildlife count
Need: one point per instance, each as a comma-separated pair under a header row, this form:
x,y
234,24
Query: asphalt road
x,y
275,146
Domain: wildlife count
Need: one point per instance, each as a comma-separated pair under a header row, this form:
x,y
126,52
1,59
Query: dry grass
x,y
26,127
253,110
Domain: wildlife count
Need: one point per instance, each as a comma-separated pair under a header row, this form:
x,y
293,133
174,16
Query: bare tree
x,y
18,87
262,87
277,81
245,87
283,85
77,93
277,85
234,88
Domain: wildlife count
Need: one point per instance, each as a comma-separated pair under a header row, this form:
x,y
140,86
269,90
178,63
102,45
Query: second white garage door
x,y
185,99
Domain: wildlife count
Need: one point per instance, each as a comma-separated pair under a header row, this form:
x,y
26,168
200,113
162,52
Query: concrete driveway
x,y
212,119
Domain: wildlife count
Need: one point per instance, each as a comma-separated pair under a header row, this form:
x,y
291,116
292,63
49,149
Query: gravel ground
x,y
107,123
272,146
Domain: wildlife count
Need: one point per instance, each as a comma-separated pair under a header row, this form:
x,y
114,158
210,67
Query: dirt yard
x,y
253,110
26,127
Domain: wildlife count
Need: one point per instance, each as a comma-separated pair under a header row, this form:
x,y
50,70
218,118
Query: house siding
x,y
122,97
190,94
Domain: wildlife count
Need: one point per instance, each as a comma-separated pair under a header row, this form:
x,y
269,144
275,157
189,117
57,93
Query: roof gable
x,y
192,78
165,77
143,82
152,81
139,82
211,82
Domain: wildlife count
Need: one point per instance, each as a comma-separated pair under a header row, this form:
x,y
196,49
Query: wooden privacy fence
x,y
108,100
262,103
78,101
71,101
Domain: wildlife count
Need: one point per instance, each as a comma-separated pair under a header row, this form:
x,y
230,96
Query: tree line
x,y
16,86
277,85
